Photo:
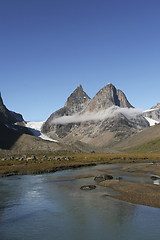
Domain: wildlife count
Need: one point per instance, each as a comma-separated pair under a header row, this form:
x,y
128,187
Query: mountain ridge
x,y
88,124
114,97
109,134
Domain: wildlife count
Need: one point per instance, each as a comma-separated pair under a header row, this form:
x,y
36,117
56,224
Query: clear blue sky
x,y
49,47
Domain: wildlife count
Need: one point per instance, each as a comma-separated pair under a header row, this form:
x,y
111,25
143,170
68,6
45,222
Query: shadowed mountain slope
x,y
9,132
7,116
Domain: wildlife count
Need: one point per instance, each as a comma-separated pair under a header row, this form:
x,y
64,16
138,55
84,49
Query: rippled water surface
x,y
52,206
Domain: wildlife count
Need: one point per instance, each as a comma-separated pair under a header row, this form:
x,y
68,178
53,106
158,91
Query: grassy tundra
x,y
45,163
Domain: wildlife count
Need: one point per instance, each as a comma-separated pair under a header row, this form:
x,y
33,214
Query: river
x,y
52,206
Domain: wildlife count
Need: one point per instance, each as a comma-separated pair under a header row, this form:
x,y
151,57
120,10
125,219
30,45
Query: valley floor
x,y
136,192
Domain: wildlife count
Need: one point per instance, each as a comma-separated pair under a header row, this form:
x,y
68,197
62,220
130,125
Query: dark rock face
x,y
9,132
8,117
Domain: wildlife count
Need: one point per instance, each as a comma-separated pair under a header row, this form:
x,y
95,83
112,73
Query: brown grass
x,y
49,164
139,193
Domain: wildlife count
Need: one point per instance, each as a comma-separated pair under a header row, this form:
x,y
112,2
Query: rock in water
x,y
102,178
88,187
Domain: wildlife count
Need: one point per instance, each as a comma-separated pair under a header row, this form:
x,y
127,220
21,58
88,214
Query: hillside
x,y
147,140
148,147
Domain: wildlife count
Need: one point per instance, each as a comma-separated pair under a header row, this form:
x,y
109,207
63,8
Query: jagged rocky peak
x,y
75,103
78,97
107,97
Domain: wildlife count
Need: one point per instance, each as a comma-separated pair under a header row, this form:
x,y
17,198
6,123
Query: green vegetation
x,y
38,164
148,147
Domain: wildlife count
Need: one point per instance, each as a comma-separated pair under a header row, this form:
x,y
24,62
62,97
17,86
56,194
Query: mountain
x,y
101,121
146,141
8,117
9,131
106,123
75,103
16,136
107,97
153,113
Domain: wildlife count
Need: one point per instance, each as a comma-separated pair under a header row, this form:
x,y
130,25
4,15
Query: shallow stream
x,y
52,206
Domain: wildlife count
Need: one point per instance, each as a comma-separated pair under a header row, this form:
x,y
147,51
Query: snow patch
x,y
151,121
35,127
151,110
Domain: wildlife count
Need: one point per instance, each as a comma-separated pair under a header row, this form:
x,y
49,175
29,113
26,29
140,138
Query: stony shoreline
x,y
136,192
142,186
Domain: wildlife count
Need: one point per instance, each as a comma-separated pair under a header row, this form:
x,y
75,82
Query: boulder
x,y
155,177
103,177
88,187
